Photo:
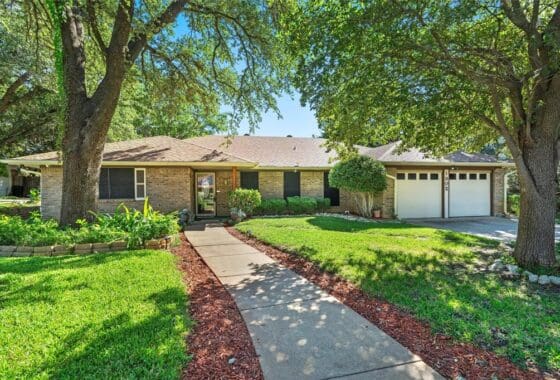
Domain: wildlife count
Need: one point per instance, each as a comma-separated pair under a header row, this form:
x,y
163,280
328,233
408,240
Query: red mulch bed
x,y
219,332
450,358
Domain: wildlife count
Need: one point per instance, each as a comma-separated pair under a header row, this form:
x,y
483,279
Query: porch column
x,y
234,177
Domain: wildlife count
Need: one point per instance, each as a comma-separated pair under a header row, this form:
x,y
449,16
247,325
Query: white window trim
x,y
136,184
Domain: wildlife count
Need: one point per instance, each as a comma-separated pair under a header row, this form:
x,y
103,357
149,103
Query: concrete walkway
x,y
299,331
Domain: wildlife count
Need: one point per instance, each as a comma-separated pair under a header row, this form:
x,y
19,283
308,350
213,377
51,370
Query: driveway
x,y
502,229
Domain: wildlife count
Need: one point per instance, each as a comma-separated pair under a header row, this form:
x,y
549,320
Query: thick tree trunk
x,y
536,230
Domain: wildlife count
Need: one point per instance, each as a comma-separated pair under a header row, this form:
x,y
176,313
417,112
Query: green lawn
x,y
430,273
117,315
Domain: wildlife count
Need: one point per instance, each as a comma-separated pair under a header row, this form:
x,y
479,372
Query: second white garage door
x,y
419,194
469,193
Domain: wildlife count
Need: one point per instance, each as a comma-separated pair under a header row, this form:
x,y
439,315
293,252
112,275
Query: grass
x,y
117,315
431,273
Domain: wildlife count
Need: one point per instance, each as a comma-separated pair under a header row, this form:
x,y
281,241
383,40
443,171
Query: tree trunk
x,y
536,230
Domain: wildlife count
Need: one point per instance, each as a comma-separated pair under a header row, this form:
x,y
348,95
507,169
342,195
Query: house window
x,y
119,183
140,184
434,176
453,176
401,176
423,176
412,176
330,192
462,175
482,176
291,184
250,180
472,176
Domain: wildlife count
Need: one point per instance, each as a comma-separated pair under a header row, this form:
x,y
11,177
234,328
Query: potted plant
x,y
376,212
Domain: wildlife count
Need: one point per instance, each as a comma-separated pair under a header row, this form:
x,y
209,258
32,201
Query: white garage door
x,y
419,194
469,193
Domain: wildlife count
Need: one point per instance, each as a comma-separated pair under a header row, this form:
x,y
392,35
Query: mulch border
x,y
449,357
219,335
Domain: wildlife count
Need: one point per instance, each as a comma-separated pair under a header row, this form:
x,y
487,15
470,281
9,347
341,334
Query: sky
x,y
296,120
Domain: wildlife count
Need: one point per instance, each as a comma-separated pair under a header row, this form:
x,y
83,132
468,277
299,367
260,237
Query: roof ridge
x,y
212,150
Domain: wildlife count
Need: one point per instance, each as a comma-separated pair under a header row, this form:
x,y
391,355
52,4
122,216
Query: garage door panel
x,y
469,194
419,194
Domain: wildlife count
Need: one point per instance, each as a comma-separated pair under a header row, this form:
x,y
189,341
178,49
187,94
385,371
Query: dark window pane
x,y
453,176
462,175
411,175
291,184
140,176
482,176
140,191
250,180
401,176
434,176
330,192
104,184
472,176
423,176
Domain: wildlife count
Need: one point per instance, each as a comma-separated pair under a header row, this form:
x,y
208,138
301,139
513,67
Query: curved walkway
x,y
298,330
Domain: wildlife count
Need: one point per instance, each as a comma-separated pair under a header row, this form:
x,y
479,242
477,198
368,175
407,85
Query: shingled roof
x,y
158,149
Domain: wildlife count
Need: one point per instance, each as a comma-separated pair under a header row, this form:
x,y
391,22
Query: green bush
x,y
323,204
513,203
246,200
302,205
34,196
275,206
133,226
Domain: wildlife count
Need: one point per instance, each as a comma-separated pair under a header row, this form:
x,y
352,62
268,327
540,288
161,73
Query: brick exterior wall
x,y
168,189
498,191
223,186
311,184
387,201
271,184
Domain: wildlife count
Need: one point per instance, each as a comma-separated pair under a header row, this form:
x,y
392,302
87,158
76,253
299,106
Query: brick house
x,y
197,173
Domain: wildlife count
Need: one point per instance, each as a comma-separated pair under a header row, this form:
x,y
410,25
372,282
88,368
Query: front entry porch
x,y
210,191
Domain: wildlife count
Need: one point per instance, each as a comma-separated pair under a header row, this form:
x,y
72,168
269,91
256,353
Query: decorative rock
x,y
81,249
497,266
42,251
510,275
544,280
533,277
512,268
118,246
231,360
59,250
555,280
100,247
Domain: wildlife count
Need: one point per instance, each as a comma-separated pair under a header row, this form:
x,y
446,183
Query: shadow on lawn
x,y
123,347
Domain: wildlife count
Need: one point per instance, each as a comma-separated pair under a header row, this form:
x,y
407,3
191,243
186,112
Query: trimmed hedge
x,y
293,206
245,200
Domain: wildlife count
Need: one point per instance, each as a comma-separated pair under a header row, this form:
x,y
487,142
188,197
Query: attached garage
x,y
419,194
469,193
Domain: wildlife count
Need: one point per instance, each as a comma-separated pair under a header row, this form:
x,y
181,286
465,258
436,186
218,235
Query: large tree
x,y
210,52
443,75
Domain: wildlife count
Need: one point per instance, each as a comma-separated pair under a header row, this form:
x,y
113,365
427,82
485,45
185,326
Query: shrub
x,y
245,200
34,196
513,203
272,207
323,204
302,205
363,176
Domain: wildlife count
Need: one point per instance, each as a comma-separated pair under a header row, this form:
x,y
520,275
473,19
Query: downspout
x,y
394,193
506,176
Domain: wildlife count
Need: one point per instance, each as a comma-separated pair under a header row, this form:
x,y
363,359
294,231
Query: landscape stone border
x,y
512,271
77,249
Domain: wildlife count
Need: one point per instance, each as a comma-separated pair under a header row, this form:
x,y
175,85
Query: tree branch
x,y
90,6
10,96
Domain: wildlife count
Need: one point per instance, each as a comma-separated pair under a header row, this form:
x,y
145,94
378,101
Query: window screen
x,y
291,184
116,183
250,180
330,192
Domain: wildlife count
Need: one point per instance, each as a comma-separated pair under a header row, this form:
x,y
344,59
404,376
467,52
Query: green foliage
x,y
432,274
133,226
301,205
323,204
111,316
513,203
276,206
360,174
246,200
4,170
34,196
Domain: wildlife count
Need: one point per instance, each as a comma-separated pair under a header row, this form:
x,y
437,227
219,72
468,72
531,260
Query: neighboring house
x,y
197,173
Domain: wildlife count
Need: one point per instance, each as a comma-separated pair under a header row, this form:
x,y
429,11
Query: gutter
x,y
39,163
